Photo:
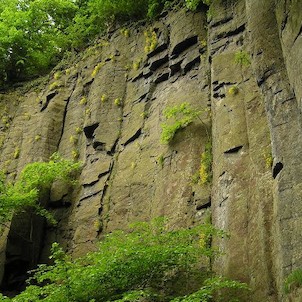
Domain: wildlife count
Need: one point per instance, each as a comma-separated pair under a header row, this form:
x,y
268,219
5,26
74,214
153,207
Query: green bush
x,y
34,178
205,170
242,58
178,117
129,266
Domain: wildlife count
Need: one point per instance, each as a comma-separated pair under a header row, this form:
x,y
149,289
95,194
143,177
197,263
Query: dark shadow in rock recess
x,y
277,169
89,130
203,204
162,77
159,62
233,150
98,146
182,46
49,97
133,137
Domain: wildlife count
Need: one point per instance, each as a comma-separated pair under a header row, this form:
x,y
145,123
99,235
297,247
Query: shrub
x,y
151,40
205,171
55,85
268,158
57,75
97,69
118,102
83,100
104,98
242,58
17,153
131,265
181,116
33,179
294,279
233,90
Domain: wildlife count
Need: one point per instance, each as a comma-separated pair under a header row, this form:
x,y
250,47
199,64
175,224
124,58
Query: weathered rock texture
x,y
106,111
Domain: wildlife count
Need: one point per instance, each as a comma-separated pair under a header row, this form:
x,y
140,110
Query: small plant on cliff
x,y
151,40
242,58
233,90
148,261
205,170
179,117
97,69
33,179
293,280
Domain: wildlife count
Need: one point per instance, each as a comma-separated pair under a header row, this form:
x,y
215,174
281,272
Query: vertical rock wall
x,y
106,109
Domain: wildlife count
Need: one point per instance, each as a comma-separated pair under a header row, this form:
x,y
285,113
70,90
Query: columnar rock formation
x,y
243,69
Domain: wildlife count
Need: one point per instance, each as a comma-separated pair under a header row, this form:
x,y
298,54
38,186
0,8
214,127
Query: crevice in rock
x,y
98,146
49,97
175,68
221,85
231,33
299,33
159,49
221,22
162,77
59,204
157,63
204,205
104,173
64,120
112,150
147,73
217,95
134,137
89,130
139,76
284,22
265,76
233,150
277,169
90,195
190,65
182,46
90,184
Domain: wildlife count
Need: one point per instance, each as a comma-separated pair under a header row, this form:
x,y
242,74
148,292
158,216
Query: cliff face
x,y
106,110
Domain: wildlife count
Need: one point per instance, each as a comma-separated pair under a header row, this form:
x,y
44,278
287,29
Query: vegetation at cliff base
x,y
35,34
149,262
34,178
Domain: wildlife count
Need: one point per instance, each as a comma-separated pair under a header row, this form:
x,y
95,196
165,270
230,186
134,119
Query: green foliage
x,y
34,178
193,4
233,90
118,102
212,289
181,116
293,280
268,158
129,266
32,34
242,58
205,171
35,34
151,40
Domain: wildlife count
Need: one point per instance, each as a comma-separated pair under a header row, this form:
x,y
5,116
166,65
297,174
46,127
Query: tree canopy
x,y
34,34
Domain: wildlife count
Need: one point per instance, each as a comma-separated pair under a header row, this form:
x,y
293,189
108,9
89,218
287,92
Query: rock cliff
x,y
240,63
